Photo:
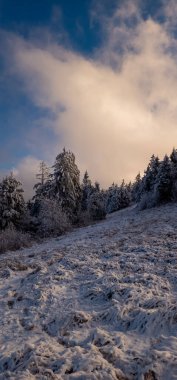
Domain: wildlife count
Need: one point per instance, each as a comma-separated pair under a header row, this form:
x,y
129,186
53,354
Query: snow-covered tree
x,y
12,203
124,195
136,188
87,190
118,197
146,194
42,191
113,201
97,187
163,186
86,180
66,182
42,188
97,206
43,174
150,175
52,220
173,158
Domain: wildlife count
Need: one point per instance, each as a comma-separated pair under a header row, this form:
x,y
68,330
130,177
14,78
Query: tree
x,y
43,175
52,221
118,197
96,205
163,185
136,188
42,188
87,190
66,182
173,158
113,201
150,175
124,195
97,187
42,191
12,203
86,180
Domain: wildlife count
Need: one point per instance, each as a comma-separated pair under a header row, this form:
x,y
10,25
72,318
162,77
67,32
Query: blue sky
x,y
22,17
81,43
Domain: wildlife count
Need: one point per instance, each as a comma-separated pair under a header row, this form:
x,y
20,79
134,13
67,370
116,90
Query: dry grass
x,y
11,240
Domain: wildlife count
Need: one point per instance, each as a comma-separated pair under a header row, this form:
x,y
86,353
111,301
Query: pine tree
x,y
150,175
44,174
42,188
12,203
163,186
42,191
66,182
87,190
173,158
113,199
86,180
136,188
96,205
97,187
118,197
124,195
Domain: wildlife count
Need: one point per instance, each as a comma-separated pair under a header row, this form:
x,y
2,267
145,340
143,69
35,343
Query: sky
x,y
98,77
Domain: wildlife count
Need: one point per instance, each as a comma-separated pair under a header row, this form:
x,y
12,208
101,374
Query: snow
x,y
97,303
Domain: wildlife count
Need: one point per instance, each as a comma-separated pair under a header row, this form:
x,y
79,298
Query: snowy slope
x,y
98,303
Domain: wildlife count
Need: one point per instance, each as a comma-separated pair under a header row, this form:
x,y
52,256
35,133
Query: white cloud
x,y
26,172
116,111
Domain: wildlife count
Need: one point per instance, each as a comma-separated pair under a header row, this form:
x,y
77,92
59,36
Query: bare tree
x,y
43,175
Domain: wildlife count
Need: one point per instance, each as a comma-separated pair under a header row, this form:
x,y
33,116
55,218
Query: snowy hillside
x,y
98,303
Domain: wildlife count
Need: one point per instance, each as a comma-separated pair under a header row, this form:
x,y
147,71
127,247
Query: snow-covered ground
x,y
97,303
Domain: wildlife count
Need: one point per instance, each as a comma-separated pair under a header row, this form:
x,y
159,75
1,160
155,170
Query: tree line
x,y
61,200
158,185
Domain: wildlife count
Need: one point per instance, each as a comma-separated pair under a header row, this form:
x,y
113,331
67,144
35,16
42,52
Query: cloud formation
x,y
115,109
26,173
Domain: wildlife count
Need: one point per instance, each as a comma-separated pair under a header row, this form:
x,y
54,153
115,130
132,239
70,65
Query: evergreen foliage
x,y
87,190
136,188
150,175
43,174
173,158
118,197
112,199
12,203
60,197
163,184
159,183
65,184
96,205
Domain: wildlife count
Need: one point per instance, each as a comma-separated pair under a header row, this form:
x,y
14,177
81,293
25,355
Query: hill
x,y
97,303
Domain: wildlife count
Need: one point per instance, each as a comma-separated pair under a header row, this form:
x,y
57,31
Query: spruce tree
x,y
113,200
173,158
43,174
136,188
12,203
124,195
163,186
65,184
87,190
97,206
150,175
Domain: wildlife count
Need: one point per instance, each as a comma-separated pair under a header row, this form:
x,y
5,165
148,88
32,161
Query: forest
x,y
62,201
